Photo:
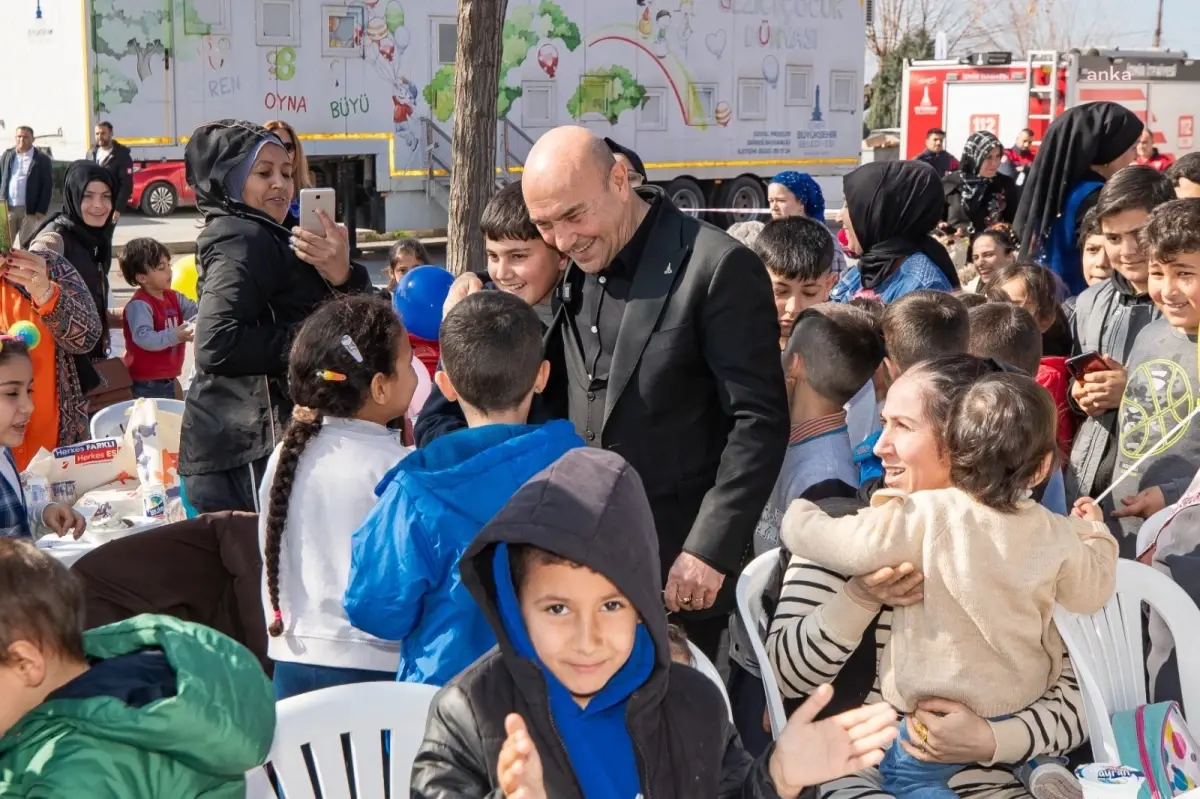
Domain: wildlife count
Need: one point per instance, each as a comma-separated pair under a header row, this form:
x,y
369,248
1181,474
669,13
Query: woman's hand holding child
x,y
952,734
896,587
62,519
519,766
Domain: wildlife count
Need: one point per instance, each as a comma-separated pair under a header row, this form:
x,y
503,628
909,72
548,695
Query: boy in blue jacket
x,y
404,579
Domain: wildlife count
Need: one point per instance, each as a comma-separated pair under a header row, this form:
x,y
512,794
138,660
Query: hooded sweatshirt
x,y
254,294
404,579
167,709
657,728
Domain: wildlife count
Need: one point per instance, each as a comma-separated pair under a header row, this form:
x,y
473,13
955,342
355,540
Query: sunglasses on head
x,y
291,148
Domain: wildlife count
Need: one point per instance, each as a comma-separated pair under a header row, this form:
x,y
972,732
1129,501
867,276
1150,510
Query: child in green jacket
x,y
145,708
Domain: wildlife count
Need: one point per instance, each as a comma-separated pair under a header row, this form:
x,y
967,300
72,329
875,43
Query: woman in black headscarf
x,y
891,207
1083,148
82,233
977,196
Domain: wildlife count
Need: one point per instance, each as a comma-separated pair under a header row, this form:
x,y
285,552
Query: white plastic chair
x,y
111,421
702,664
318,720
1107,653
750,588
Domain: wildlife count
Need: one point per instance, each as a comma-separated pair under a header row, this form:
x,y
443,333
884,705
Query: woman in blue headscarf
x,y
797,194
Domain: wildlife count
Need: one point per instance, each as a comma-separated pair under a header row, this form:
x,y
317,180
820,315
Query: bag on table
x,y
89,464
1155,739
152,435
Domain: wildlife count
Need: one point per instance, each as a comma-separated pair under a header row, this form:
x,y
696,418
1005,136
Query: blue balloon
x,y
419,297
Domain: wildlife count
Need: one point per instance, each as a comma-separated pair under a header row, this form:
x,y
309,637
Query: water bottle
x,y
154,501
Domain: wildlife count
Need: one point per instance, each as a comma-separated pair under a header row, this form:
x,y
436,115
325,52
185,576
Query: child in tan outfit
x,y
995,565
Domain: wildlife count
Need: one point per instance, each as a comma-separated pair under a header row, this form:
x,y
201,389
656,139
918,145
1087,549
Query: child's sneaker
x,y
1049,778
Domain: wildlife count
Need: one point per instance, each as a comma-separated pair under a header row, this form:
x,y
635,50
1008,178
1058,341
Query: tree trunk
x,y
473,152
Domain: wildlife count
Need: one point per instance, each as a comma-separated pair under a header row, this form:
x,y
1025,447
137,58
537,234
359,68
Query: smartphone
x,y
310,201
1085,364
5,237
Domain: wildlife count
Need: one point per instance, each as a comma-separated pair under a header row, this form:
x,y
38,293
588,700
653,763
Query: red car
x,y
159,187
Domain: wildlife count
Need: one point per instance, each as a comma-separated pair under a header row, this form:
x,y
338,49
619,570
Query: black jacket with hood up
x,y
254,294
590,508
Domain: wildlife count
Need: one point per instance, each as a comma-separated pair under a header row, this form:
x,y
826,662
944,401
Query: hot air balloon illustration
x,y
401,38
370,3
770,70
387,48
394,16
376,29
723,114
547,57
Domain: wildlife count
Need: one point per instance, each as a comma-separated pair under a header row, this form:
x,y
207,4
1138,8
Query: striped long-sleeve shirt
x,y
817,626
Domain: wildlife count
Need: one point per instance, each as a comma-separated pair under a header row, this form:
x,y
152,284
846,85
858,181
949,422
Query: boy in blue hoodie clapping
x,y
404,579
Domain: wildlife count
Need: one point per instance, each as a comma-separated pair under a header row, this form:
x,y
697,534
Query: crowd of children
x,y
950,440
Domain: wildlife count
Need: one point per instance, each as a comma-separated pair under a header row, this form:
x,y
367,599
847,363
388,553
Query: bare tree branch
x,y
1016,26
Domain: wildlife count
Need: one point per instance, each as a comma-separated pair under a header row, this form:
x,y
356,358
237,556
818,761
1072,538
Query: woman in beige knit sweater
x,y
822,619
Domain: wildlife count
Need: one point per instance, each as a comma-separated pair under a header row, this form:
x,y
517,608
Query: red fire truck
x,y
993,92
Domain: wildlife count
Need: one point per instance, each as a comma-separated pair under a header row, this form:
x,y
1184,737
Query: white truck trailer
x,y
714,95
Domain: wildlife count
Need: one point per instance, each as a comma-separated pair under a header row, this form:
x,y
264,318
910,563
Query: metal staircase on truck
x,y
509,161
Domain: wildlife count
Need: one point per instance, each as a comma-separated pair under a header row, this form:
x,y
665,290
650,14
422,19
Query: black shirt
x,y
598,321
604,298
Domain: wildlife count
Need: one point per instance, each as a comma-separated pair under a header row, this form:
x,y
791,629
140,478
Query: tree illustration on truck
x,y
525,27
607,92
117,36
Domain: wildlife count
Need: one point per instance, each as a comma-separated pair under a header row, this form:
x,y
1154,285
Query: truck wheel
x,y
686,194
159,199
744,192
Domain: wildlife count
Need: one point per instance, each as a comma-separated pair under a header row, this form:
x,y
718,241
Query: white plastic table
x,y
67,550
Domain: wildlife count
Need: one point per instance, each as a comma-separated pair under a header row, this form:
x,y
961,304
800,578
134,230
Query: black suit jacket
x,y
696,400
39,188
120,166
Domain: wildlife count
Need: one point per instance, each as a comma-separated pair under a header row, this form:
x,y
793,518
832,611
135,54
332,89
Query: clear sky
x,y
1181,23
1128,24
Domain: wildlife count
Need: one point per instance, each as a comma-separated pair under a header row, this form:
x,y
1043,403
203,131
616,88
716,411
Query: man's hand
x,y
61,520
810,753
691,584
519,766
1142,505
463,286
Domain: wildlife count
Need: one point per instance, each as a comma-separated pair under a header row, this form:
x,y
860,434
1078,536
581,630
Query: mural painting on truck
x,y
704,91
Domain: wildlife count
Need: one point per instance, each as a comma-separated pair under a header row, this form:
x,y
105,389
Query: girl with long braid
x,y
350,373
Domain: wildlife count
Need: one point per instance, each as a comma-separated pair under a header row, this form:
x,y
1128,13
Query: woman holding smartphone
x,y
41,287
259,281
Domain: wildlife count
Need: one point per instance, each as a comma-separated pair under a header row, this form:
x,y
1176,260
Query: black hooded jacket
x,y
590,508
254,294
